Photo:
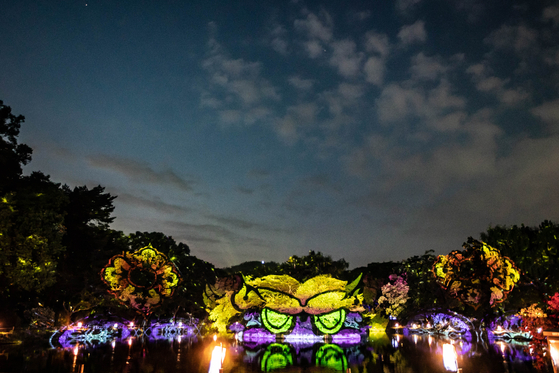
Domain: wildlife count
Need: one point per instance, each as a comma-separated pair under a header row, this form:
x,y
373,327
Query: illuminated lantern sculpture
x,y
279,304
479,275
141,279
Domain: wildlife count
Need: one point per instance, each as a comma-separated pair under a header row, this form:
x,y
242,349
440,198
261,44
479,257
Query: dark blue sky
x,y
255,130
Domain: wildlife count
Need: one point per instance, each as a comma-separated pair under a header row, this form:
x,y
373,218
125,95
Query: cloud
x,y
246,191
398,102
414,33
152,203
377,43
360,16
427,68
474,8
318,27
345,58
497,86
298,118
233,222
278,40
549,113
551,13
299,83
404,6
140,172
520,38
374,68
317,30
433,165
236,87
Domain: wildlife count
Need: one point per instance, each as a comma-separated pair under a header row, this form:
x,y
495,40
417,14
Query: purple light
x,y
258,335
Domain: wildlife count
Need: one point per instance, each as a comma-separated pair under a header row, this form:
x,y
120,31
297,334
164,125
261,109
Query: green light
x,y
330,323
331,356
277,356
276,322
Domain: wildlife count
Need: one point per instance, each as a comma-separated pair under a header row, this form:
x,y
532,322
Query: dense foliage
x,y
54,240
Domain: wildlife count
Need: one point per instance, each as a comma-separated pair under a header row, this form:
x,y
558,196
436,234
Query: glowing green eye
x,y
330,323
276,322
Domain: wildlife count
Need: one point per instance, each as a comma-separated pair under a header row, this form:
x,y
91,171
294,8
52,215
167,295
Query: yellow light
x,y
554,352
129,341
450,357
503,347
215,337
80,324
218,355
113,343
76,349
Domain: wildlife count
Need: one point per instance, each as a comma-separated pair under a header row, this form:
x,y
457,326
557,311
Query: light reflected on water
x,y
450,357
218,355
396,353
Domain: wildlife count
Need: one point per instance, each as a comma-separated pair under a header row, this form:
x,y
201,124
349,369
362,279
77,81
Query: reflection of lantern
x,y
553,343
218,355
450,357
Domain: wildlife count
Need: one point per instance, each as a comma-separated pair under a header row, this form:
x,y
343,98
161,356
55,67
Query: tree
x,y
427,294
479,276
89,243
31,237
312,265
195,273
535,250
12,154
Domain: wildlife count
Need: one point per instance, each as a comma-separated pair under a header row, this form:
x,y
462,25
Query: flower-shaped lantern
x,y
141,279
477,275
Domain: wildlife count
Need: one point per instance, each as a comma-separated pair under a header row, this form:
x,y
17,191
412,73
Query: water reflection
x,y
383,354
450,357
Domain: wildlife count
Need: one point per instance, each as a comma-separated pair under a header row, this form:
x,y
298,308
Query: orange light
x,y
450,357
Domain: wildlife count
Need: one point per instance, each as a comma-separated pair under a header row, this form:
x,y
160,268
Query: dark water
x,y
384,354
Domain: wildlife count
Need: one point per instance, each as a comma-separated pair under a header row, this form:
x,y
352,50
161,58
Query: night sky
x,y
255,130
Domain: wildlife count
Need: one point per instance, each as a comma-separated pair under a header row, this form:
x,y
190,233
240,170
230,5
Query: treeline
x,y
54,240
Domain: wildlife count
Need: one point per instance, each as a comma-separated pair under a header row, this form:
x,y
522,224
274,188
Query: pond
x,y
384,354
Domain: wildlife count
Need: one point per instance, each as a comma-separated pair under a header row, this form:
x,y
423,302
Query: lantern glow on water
x,y
450,357
218,355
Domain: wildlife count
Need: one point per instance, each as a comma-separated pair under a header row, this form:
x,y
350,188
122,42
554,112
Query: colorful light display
x,y
282,305
97,332
477,275
141,279
450,325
